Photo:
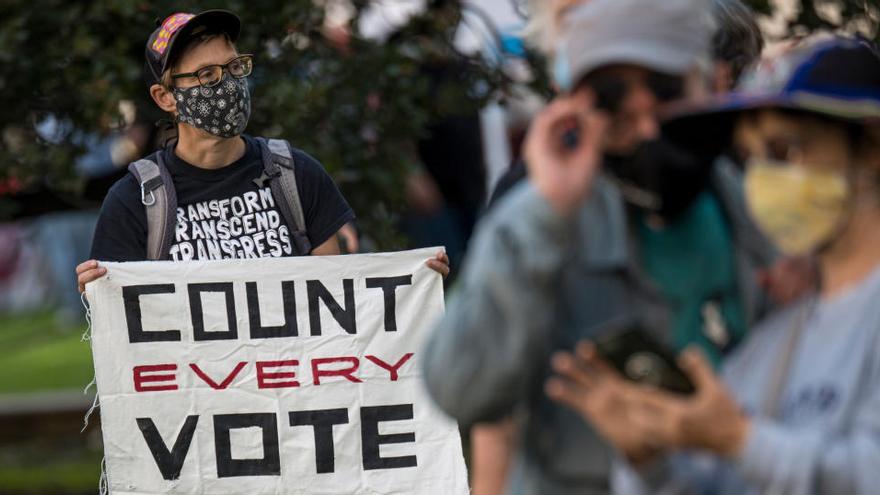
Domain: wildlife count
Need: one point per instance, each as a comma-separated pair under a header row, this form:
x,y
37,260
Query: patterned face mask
x,y
222,110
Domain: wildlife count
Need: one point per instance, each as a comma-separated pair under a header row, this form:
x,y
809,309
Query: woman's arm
x,y
773,457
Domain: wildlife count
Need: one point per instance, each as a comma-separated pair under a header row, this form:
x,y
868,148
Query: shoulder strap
x,y
279,167
160,201
782,370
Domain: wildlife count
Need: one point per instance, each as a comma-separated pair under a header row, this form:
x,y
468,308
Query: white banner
x,y
284,375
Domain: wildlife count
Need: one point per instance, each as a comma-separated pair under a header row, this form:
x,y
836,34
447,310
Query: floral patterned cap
x,y
180,25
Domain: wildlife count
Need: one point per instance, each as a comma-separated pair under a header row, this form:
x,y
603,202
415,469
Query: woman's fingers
x,y
589,356
93,274
350,235
441,268
567,366
89,275
86,265
596,124
568,394
439,263
694,363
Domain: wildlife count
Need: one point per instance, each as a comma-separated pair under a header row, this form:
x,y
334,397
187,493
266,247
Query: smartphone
x,y
640,358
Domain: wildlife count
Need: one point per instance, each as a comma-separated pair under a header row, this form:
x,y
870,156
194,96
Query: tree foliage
x,y
358,108
853,16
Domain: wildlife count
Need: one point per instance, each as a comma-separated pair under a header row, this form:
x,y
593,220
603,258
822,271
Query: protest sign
x,y
282,375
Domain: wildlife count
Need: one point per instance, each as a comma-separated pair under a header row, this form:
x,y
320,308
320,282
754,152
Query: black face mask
x,y
660,177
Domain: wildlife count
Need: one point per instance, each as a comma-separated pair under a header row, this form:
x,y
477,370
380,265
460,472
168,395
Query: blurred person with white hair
x,y
545,22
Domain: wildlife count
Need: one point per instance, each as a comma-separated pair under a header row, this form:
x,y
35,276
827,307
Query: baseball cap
x,y
837,77
160,47
669,36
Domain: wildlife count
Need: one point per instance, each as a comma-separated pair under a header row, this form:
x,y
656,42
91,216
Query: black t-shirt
x,y
223,213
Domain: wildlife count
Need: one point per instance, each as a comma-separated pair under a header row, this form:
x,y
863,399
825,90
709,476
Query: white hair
x,y
545,23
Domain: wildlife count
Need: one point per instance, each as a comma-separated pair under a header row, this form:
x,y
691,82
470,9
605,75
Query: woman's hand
x,y
635,417
348,239
563,150
88,271
605,399
439,263
710,419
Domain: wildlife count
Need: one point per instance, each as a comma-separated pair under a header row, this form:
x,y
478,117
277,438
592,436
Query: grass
x,y
59,477
39,354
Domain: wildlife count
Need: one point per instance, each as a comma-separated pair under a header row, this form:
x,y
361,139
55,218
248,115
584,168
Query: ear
x,y
746,138
163,98
722,78
696,85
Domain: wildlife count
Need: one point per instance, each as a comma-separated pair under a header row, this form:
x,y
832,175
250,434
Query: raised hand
x,y
563,150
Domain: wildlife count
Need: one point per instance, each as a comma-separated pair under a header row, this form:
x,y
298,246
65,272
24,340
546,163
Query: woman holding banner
x,y
215,193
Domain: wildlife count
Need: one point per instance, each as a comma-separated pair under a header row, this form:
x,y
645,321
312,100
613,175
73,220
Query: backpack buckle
x,y
147,188
152,197
265,177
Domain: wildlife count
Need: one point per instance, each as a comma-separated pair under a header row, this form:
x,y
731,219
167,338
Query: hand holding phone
x,y
640,358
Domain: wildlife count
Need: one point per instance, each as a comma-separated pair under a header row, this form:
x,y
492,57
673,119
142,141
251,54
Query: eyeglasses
x,y
210,75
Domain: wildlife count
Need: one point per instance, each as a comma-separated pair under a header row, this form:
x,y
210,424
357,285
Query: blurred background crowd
x,y
419,109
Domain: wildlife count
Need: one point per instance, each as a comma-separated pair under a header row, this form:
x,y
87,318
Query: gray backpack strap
x,y
160,201
279,166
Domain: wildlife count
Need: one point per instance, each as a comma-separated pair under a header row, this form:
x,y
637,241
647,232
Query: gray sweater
x,y
533,283
825,437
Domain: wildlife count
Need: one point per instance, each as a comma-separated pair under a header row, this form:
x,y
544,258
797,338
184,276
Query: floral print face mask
x,y
222,110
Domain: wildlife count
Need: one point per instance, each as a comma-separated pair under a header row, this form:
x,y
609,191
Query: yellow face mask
x,y
797,209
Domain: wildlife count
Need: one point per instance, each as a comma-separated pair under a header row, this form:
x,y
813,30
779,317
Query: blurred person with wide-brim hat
x,y
796,408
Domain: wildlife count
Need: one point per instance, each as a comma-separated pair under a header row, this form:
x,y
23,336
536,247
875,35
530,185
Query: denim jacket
x,y
535,282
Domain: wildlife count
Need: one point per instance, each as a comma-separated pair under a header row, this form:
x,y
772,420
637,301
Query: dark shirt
x,y
516,173
222,213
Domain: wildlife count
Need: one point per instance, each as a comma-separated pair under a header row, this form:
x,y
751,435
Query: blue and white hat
x,y
837,77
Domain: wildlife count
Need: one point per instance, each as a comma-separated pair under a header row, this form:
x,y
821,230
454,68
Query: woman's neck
x,y
854,255
203,150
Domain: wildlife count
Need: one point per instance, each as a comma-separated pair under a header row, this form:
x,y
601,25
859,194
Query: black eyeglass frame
x,y
223,68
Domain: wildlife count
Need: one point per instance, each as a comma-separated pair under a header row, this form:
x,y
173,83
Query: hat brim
x,y
710,123
642,53
219,20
